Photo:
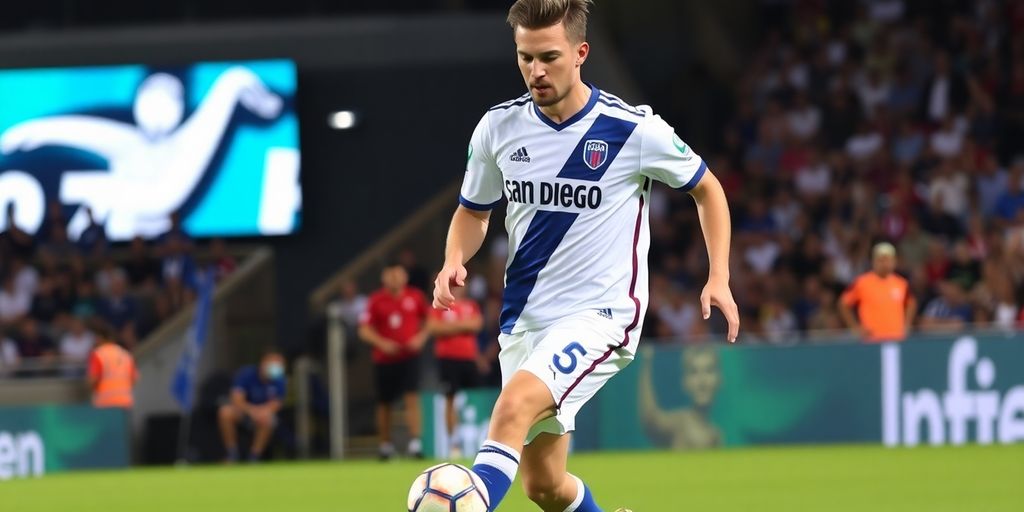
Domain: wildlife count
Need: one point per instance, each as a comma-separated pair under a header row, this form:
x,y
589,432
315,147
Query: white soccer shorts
x,y
574,357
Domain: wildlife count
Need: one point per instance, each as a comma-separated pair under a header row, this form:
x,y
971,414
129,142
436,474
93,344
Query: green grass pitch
x,y
850,478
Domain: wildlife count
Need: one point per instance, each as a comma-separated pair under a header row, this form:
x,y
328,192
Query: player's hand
x,y
389,347
418,341
449,276
483,365
717,293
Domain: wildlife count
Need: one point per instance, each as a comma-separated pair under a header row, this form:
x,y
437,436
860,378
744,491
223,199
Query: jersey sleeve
x,y
481,186
666,158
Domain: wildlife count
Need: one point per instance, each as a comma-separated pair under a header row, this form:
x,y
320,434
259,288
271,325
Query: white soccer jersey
x,y
577,197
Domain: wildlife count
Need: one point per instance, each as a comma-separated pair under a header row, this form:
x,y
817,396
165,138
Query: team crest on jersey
x,y
595,153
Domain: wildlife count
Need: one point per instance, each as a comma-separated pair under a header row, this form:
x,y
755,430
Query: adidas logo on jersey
x,y
606,312
520,155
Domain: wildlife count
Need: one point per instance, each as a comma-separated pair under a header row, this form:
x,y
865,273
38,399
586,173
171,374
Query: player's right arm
x,y
481,192
370,335
847,301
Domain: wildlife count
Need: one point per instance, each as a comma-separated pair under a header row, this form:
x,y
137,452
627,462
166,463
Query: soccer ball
x,y
448,488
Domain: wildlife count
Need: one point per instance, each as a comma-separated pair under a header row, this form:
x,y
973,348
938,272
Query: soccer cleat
x,y
623,510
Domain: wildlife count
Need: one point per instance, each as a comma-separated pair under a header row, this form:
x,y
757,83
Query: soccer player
x,y
455,330
394,325
576,165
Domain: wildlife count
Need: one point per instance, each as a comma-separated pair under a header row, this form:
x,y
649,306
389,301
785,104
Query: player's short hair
x,y
535,14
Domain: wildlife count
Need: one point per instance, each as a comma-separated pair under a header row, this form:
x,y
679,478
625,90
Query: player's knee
x,y
515,409
226,413
542,491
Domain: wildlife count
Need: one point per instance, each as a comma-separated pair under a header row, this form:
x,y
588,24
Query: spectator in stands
x,y
223,262
455,330
949,312
1012,199
93,238
33,344
175,233
14,241
106,274
54,217
46,306
111,373
77,342
57,243
352,302
256,397
120,311
393,324
885,307
142,269
14,304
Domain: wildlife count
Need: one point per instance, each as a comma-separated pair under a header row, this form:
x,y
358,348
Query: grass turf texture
x,y
851,478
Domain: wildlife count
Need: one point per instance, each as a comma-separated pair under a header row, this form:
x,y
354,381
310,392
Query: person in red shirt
x,y
455,330
393,324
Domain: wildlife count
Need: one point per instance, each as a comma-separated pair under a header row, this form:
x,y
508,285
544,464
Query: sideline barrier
x,y
950,390
51,438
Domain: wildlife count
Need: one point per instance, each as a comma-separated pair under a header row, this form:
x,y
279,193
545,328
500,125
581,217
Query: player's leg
x,y
263,429
227,419
546,480
523,401
411,385
412,420
386,395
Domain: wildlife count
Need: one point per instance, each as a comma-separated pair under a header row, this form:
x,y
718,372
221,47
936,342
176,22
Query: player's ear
x,y
581,53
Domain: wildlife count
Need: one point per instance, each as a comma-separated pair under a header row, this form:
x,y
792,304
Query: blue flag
x,y
183,384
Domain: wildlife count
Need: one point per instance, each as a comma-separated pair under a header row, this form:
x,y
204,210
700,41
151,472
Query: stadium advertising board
x,y
50,438
216,141
961,390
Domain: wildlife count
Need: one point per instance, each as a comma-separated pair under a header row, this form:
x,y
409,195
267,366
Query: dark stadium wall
x,y
415,123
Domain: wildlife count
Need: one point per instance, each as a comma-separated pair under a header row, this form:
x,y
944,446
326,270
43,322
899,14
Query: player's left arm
x,y
716,224
666,158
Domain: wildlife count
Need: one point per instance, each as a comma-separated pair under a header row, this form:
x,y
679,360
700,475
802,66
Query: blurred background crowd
x,y
57,296
855,123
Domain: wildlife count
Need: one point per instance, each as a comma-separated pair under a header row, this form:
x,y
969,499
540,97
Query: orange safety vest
x,y
116,379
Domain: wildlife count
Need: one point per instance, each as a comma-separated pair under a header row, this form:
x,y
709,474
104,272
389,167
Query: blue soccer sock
x,y
496,464
584,501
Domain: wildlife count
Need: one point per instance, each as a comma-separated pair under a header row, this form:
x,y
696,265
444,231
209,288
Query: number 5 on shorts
x,y
559,361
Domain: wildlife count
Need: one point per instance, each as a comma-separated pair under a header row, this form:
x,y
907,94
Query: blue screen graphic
x,y
216,142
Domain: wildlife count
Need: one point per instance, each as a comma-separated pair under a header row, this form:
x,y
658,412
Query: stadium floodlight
x,y
342,120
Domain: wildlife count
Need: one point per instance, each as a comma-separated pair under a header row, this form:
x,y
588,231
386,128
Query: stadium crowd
x,y
888,125
56,295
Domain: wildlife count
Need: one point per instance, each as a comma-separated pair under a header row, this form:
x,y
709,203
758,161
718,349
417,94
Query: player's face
x,y
394,278
885,264
549,62
701,377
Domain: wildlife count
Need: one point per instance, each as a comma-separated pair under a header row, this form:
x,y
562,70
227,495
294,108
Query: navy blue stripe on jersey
x,y
477,206
610,130
696,177
594,95
620,107
504,106
542,237
612,101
